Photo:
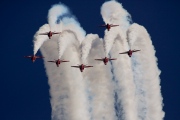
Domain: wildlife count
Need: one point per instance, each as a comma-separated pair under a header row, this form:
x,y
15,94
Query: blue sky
x,y
24,86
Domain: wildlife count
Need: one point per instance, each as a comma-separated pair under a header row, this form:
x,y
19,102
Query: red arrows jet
x,y
58,62
81,67
49,34
33,57
129,52
105,60
108,26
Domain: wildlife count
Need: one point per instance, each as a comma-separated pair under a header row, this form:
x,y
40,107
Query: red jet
x,y
105,60
81,67
33,57
49,34
58,62
108,26
129,52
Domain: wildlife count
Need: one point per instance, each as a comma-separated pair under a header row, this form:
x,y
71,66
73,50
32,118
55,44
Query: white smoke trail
x,y
113,13
64,40
109,40
132,34
125,88
68,99
40,39
100,86
67,87
71,27
70,23
86,46
60,18
146,73
58,10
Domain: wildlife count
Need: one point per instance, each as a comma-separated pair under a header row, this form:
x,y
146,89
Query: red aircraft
x,y
33,57
49,34
81,67
129,52
108,26
58,62
105,60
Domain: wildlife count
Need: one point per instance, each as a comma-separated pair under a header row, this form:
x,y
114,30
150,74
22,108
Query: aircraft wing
x,y
87,66
135,50
99,59
114,25
75,66
102,25
43,33
39,57
56,32
51,61
27,56
64,61
112,59
124,52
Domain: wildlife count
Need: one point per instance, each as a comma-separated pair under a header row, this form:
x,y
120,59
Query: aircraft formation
x,y
82,66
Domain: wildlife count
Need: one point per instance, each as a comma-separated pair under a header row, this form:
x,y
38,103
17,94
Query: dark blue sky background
x,y
24,90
